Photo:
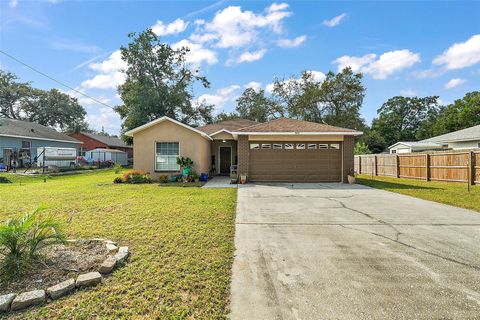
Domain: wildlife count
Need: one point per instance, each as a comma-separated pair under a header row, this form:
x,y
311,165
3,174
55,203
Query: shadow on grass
x,y
380,184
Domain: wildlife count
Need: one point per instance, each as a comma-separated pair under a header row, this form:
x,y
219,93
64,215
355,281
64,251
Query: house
x,y
96,141
279,150
20,140
102,155
468,138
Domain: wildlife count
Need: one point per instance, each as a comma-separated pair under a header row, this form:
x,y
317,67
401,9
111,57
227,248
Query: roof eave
x,y
339,133
37,138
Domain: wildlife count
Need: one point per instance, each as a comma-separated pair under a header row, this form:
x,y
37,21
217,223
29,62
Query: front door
x,y
225,160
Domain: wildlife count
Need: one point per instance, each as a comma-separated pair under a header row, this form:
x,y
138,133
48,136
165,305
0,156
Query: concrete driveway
x,y
332,251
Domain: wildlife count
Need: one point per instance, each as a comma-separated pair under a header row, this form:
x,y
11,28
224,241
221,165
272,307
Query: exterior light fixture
x,y
224,140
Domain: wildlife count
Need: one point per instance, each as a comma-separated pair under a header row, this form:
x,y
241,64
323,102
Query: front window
x,y
166,156
26,144
288,146
335,146
254,146
301,146
277,146
266,145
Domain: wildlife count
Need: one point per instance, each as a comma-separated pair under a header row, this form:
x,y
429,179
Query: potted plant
x,y
185,164
243,178
233,178
351,176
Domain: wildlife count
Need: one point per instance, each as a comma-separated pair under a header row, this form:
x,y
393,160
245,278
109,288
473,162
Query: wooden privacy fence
x,y
452,166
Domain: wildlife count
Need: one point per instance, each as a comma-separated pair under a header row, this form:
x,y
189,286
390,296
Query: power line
x,y
55,80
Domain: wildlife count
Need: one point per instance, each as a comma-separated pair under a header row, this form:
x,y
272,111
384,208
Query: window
x,y
26,144
335,146
254,146
266,146
394,151
288,146
166,156
323,146
277,146
312,146
301,146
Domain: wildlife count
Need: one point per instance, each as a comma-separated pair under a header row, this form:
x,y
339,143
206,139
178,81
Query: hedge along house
x,y
281,150
20,140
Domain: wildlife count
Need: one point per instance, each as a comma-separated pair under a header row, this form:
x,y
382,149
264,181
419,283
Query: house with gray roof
x,y
93,141
19,141
468,138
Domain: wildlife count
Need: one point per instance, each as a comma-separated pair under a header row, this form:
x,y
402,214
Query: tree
x,y
335,101
401,118
158,82
361,148
49,108
256,106
462,113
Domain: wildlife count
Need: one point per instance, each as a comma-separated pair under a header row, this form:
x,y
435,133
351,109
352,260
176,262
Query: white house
x,y
468,138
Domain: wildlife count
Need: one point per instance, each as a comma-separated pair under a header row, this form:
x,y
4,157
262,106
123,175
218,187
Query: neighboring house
x,y
279,150
19,141
468,138
96,141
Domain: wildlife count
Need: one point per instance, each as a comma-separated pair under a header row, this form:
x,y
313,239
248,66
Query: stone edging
x,y
13,302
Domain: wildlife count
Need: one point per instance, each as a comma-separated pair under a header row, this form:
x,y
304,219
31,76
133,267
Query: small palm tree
x,y
22,237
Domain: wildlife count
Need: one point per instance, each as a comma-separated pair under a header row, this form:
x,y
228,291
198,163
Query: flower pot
x,y
351,179
243,179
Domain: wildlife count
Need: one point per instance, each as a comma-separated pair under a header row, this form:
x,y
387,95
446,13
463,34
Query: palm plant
x,y
22,237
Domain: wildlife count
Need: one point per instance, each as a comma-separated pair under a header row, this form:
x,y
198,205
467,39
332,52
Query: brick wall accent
x,y
243,154
348,150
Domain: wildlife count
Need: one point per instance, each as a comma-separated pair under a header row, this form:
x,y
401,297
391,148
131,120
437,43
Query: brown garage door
x,y
295,162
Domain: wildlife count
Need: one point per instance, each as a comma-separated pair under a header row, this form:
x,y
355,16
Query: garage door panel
x,y
308,165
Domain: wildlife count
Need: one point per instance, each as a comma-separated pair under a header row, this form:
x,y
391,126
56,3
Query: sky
x,y
402,48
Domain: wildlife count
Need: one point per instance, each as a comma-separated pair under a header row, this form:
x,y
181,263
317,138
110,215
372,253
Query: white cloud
x,y
317,75
251,56
335,21
234,28
76,46
387,64
460,55
408,93
454,83
222,97
177,26
197,54
291,43
110,70
104,117
254,85
13,3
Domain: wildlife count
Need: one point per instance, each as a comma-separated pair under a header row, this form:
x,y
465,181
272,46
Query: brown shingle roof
x,y
230,125
292,125
111,141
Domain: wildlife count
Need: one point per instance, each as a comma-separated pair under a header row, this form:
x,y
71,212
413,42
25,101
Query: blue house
x,y
19,141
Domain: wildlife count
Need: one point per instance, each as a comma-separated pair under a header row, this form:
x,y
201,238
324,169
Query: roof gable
x,y
467,134
32,130
287,125
130,133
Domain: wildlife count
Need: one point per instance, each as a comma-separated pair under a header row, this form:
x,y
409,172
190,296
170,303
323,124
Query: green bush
x,y
163,178
117,168
22,237
118,180
4,180
139,178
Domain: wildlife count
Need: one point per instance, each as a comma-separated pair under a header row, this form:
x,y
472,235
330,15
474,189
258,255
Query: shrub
x,y
136,176
118,180
163,178
4,180
22,237
117,168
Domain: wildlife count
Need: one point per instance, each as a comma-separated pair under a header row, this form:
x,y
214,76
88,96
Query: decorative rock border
x,y
13,302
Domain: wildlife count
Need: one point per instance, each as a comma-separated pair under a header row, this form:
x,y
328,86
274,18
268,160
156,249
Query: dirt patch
x,y
58,263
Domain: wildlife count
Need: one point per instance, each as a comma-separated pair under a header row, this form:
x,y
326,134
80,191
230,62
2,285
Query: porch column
x,y
243,154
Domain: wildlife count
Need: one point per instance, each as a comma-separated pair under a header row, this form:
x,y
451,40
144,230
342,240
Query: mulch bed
x,y
57,263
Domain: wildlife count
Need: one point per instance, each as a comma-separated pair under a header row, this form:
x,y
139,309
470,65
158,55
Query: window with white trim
x,y
335,146
277,146
254,146
266,146
166,155
301,146
288,146
322,146
312,146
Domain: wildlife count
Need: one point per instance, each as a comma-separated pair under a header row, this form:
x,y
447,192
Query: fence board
x,y
450,166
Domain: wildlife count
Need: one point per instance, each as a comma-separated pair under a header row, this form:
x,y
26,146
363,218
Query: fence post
x,y
398,165
359,164
427,166
471,167
375,165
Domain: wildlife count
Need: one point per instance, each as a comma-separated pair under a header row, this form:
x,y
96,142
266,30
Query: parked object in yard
x,y
351,177
54,156
204,176
93,141
104,155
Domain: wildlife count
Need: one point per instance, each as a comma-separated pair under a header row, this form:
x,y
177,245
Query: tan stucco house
x,y
281,150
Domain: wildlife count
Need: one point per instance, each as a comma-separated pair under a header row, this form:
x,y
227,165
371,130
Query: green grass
x,y
452,193
181,241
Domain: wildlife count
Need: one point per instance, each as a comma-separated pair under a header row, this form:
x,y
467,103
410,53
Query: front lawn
x,y
451,193
181,241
